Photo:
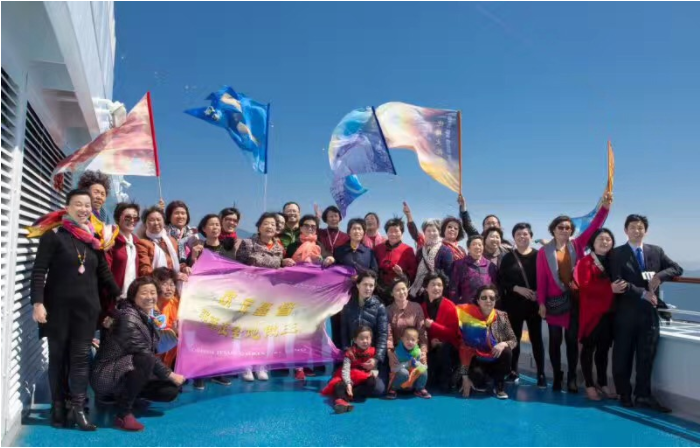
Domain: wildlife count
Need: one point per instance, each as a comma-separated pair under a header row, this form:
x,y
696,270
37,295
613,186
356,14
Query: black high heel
x,y
572,383
58,414
81,421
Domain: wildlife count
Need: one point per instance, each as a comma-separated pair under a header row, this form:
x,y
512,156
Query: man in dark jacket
x,y
370,313
644,267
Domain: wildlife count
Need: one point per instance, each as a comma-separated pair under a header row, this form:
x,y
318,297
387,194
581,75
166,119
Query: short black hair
x,y
290,203
357,222
523,226
163,274
449,219
399,279
203,222
331,209
407,329
228,211
598,232
362,329
170,209
365,274
124,206
90,178
309,217
137,284
435,276
474,238
483,223
77,192
376,216
265,216
394,222
560,219
637,218
489,287
490,230
149,210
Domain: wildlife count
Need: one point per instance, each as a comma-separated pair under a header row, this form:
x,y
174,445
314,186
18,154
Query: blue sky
x,y
542,87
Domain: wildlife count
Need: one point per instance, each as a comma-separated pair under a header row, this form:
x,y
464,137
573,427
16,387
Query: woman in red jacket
x,y
394,259
596,293
443,331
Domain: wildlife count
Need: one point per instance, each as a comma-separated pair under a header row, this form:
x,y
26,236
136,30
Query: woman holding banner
x,y
210,227
364,308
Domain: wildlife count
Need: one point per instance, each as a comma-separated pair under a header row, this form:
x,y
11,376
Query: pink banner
x,y
234,316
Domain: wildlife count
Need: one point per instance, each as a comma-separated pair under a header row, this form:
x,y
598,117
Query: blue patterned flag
x,y
245,120
357,147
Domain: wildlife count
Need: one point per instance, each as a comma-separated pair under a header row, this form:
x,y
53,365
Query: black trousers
x,y
480,371
442,360
597,345
636,335
139,384
364,390
525,311
336,327
69,362
557,335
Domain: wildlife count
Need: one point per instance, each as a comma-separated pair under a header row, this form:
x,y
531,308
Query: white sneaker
x,y
248,375
261,373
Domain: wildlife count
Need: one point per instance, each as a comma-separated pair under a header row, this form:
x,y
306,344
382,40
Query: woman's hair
x,y
264,216
446,221
595,235
305,218
137,284
124,206
163,274
474,238
394,222
522,226
490,230
330,209
77,192
435,222
558,220
376,216
170,209
489,287
203,223
90,178
357,222
399,279
434,276
149,211
362,329
365,274
228,211
483,223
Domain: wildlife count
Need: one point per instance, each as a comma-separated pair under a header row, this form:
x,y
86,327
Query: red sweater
x,y
331,239
595,295
445,327
388,257
116,258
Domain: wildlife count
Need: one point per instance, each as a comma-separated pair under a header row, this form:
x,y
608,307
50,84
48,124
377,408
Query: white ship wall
x,y
57,66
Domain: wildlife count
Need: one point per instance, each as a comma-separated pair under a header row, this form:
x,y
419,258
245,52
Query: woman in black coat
x,y
126,366
70,269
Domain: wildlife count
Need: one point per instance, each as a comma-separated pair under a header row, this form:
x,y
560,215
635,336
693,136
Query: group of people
x,y
442,316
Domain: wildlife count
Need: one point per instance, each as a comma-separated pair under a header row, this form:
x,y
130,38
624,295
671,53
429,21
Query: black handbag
x,y
558,305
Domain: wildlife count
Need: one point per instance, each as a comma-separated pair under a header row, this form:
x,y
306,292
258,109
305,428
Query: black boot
x,y
58,414
556,382
572,384
77,414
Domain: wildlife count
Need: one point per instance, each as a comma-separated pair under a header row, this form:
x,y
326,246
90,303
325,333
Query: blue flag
x,y
581,223
357,147
245,120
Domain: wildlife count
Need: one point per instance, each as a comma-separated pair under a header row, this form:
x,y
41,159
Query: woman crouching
x,y
126,366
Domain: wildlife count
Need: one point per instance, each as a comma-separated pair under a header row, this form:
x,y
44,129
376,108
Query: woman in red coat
x,y
443,331
394,259
596,293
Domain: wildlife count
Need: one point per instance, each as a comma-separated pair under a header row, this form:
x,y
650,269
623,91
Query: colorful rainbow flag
x,y
476,330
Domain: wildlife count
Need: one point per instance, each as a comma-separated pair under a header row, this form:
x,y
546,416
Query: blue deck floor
x,y
284,412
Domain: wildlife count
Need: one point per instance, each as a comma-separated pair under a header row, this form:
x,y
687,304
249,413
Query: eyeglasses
x,y
310,227
130,218
487,299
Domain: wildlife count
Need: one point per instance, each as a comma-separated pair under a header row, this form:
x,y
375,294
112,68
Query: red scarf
x,y
458,251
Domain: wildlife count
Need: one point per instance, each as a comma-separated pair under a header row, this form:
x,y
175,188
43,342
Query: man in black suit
x,y
644,267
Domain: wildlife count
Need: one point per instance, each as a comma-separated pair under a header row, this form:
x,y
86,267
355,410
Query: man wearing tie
x,y
643,267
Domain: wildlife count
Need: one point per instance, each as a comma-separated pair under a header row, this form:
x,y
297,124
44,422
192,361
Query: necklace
x,y
333,241
81,259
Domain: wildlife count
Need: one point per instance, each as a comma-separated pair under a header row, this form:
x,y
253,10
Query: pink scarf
x,y
308,251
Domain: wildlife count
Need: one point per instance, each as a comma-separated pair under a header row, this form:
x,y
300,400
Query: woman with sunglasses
x,y
487,345
122,258
556,291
